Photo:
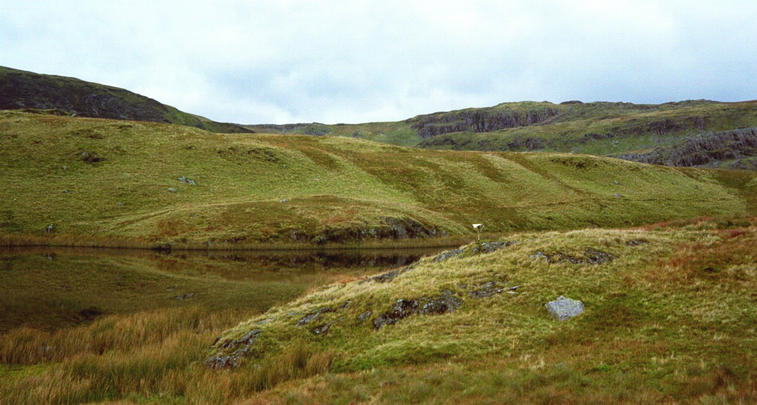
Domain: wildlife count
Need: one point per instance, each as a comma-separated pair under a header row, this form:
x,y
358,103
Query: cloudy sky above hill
x,y
353,61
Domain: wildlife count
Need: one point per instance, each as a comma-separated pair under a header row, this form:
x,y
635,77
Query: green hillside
x,y
626,130
111,182
66,95
598,128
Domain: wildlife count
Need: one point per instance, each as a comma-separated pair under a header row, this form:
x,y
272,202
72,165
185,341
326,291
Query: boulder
x,y
564,308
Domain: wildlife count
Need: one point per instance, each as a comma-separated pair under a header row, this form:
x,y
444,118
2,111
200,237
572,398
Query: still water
x,y
52,288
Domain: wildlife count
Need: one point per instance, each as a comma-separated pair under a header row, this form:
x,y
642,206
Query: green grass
x,y
670,319
273,190
597,128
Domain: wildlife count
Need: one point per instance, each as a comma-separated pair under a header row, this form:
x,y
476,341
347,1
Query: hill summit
x,y
66,95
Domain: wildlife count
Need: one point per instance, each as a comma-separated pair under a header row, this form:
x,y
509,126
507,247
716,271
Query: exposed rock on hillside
x,y
389,228
446,302
703,149
478,120
590,256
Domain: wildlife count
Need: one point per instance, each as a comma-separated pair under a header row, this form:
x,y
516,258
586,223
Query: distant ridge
x,y
28,90
674,133
615,129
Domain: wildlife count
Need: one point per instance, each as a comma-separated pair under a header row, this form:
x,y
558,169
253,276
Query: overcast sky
x,y
353,61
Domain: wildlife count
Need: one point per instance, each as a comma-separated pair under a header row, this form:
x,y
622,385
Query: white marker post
x,y
478,228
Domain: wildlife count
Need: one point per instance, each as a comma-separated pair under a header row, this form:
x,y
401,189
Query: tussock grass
x,y
141,357
145,345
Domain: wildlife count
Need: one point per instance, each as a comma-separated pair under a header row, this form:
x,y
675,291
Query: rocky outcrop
x,y
590,256
389,275
237,349
444,256
704,149
488,289
313,316
387,228
478,120
488,247
402,308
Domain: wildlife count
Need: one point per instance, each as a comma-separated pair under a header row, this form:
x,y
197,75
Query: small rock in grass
x,y
171,189
539,255
321,329
313,316
564,308
187,180
364,316
184,296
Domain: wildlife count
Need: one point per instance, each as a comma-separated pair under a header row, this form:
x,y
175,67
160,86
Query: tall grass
x,y
145,355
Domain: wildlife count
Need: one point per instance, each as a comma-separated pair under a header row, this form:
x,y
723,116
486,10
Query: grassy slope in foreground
x,y
107,182
670,314
21,90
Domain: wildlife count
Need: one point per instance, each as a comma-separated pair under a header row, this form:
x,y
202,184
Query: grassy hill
x,y
598,128
27,90
128,183
640,132
669,317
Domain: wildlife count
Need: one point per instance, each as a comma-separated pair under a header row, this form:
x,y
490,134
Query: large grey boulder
x,y
564,308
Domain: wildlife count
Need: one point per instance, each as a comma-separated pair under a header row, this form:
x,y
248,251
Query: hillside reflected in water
x,y
51,288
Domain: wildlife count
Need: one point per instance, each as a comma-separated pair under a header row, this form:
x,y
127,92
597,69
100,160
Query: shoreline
x,y
9,242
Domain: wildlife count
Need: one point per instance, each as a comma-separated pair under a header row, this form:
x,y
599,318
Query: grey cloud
x,y
356,61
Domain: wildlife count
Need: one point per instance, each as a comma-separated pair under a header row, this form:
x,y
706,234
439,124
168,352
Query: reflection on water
x,y
51,288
